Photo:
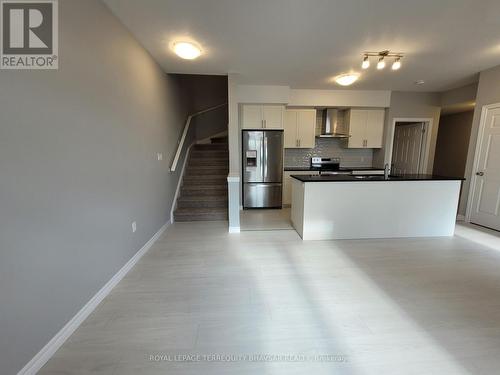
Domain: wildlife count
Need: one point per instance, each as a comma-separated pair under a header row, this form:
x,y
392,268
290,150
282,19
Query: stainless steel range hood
x,y
330,125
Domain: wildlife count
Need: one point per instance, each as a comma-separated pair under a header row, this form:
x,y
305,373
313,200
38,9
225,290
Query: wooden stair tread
x,y
203,195
201,198
200,210
208,186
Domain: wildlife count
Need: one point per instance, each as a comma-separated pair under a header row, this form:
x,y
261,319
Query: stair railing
x,y
180,144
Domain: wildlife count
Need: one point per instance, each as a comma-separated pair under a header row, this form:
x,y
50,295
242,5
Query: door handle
x,y
479,173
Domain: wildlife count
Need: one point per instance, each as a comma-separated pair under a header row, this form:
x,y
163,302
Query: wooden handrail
x,y
184,134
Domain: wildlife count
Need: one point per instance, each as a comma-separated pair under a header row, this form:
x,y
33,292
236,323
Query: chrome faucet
x,y
386,171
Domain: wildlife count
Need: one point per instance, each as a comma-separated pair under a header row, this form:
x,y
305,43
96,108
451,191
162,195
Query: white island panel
x,y
374,209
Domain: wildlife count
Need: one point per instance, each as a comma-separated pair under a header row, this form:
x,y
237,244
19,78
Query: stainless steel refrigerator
x,y
262,168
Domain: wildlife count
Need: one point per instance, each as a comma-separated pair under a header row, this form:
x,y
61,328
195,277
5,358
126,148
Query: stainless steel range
x,y
327,165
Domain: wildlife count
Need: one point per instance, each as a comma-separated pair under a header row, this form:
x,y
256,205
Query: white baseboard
x,y
234,229
37,362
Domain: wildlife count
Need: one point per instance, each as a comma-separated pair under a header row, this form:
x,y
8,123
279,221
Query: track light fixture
x,y
382,55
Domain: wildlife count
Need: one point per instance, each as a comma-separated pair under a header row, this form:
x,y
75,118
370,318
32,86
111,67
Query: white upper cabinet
x,y
257,116
300,127
365,127
251,116
355,121
306,128
290,128
375,128
273,116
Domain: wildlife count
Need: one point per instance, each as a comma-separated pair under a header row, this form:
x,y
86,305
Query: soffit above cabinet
x,y
312,98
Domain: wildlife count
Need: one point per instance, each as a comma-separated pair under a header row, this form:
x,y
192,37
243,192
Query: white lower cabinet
x,y
287,184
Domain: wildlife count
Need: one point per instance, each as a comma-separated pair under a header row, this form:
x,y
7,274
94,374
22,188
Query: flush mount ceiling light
x,y
382,55
346,79
419,82
187,50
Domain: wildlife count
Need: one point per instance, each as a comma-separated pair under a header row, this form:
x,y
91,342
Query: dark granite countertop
x,y
351,178
342,169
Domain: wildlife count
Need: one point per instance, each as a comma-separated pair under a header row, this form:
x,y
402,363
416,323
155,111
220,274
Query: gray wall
x,y
452,144
488,92
78,164
409,105
202,92
459,95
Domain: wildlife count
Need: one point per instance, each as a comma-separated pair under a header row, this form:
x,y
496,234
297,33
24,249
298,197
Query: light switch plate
x,y
134,226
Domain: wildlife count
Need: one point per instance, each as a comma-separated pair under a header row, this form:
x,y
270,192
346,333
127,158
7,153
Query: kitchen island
x,y
350,207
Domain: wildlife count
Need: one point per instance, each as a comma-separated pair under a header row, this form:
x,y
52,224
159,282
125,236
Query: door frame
x,y
477,152
426,144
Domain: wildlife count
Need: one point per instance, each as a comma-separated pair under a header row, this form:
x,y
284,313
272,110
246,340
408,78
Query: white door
x,y
291,129
273,116
374,128
486,196
251,116
407,148
306,128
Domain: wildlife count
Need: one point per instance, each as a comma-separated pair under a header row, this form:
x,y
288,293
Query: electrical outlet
x,y
134,226
159,155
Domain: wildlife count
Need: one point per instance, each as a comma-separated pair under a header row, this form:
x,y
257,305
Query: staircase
x,y
203,195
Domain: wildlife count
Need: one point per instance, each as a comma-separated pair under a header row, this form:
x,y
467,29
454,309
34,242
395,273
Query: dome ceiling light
x,y
186,50
346,79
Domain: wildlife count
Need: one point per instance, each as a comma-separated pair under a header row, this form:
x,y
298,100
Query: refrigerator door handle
x,y
262,160
265,158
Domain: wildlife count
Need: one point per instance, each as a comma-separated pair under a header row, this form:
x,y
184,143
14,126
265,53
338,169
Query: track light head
x,y
396,64
381,63
366,62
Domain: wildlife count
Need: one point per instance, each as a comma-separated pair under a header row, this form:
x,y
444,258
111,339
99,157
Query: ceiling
x,y
304,43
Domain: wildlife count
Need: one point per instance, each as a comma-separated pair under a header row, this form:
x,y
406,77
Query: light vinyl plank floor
x,y
396,306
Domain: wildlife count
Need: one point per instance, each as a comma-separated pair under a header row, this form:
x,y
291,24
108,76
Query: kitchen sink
x,y
369,177
374,177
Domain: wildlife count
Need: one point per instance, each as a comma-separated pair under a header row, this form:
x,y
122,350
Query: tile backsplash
x,y
329,147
